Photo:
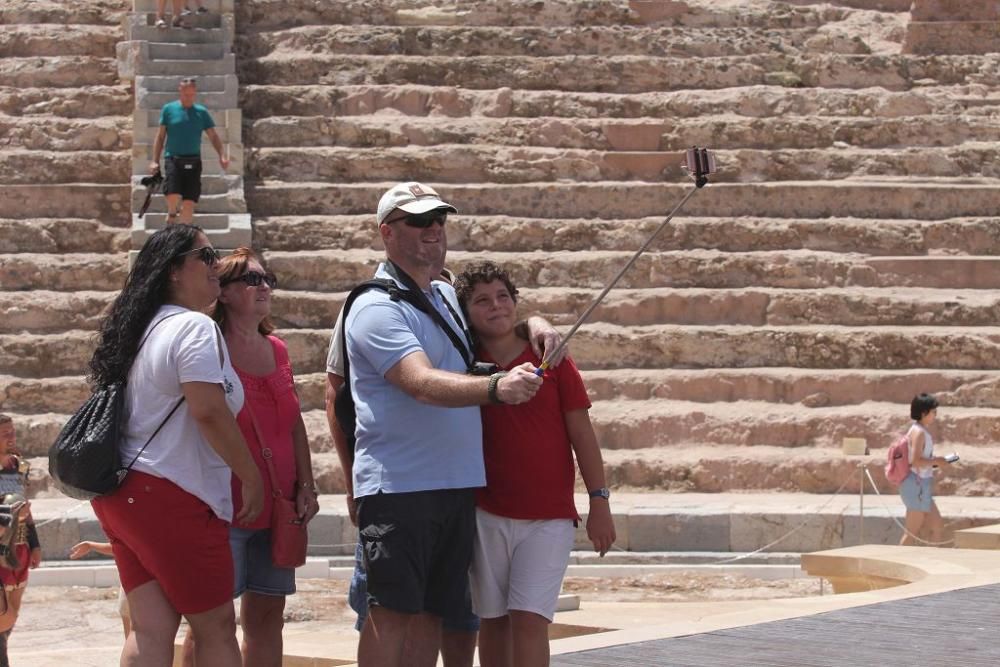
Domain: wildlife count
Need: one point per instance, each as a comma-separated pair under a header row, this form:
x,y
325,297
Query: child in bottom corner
x,y
27,551
526,516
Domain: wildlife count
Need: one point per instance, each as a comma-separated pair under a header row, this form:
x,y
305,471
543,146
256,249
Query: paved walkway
x,y
952,628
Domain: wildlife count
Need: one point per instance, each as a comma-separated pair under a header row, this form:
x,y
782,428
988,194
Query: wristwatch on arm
x,y
600,493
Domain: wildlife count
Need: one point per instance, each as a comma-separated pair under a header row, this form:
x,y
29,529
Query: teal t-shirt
x,y
184,127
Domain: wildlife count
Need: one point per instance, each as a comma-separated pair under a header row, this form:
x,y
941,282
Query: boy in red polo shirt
x,y
525,517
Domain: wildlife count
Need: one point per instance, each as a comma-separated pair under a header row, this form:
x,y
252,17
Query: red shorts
x,y
160,532
14,579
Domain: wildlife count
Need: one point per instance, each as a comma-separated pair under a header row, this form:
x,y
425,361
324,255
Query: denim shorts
x,y
917,492
462,621
252,565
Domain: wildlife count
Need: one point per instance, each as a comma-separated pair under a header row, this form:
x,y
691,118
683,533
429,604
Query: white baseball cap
x,y
411,197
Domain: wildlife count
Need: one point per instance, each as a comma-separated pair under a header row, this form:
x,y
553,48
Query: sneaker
x,y
161,24
186,12
178,22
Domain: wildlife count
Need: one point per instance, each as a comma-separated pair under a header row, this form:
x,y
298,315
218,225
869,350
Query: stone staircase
x,y
843,259
156,60
65,137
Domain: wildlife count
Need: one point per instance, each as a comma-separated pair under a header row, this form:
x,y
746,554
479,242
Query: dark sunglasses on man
x,y
254,279
422,220
207,254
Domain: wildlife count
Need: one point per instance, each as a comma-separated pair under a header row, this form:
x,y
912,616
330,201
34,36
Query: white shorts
x,y
519,565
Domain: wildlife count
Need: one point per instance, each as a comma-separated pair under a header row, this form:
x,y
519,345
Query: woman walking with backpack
x,y
917,488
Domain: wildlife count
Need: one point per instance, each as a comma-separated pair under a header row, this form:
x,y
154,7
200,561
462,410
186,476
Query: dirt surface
x,y
73,617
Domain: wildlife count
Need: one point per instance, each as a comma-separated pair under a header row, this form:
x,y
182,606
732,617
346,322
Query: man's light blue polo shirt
x,y
404,445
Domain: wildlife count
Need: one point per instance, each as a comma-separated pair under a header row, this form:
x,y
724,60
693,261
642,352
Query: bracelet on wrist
x,y
308,486
491,389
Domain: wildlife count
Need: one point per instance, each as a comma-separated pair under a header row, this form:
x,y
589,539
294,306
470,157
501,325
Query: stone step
x,y
663,425
58,40
970,236
277,14
465,163
197,51
211,184
603,345
809,387
538,41
54,235
108,204
336,270
49,311
63,13
72,272
150,33
760,102
24,167
58,71
112,133
639,134
226,231
720,469
925,199
616,74
210,20
225,66
214,102
168,83
228,202
750,306
60,395
79,102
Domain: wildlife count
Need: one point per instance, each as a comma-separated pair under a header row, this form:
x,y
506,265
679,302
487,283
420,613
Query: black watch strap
x,y
600,493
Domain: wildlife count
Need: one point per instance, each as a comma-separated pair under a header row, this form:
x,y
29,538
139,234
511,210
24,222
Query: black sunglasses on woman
x,y
207,254
254,279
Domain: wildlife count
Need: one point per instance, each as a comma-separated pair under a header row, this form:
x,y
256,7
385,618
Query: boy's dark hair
x,y
481,273
5,419
921,405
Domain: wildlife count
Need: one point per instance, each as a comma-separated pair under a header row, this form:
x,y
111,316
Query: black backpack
x,y
343,405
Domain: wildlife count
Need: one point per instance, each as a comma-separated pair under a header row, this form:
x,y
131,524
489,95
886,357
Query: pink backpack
x,y
898,465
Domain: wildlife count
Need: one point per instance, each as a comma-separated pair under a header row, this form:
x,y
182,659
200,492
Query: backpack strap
x,y
420,301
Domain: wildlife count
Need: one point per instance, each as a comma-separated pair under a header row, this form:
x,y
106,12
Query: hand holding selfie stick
x,y
700,163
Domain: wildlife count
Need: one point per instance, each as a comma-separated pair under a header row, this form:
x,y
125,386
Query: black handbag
x,y
84,460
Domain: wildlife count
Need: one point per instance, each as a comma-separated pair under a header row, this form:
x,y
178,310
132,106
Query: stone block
x,y
955,10
582,543
954,37
225,65
213,6
216,83
749,532
653,529
57,537
213,101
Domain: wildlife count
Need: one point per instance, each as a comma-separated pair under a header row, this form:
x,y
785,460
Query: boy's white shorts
x,y
519,564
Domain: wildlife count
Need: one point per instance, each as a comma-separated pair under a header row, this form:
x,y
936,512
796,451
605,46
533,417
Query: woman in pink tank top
x,y
261,360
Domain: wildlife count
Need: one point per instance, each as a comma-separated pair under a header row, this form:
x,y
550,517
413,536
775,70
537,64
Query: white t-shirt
x,y
184,348
928,471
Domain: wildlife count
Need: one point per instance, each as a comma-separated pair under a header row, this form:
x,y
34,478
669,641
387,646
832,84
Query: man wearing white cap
x,y
418,454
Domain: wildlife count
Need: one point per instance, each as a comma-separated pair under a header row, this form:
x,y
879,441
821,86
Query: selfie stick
x,y
701,167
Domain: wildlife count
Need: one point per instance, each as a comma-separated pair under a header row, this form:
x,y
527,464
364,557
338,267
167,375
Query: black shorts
x,y
183,177
417,549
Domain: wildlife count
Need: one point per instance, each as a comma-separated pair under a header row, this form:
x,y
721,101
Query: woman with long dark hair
x,y
270,419
168,524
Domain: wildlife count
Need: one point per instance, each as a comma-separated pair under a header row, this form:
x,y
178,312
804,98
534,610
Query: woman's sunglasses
x,y
254,279
207,254
422,220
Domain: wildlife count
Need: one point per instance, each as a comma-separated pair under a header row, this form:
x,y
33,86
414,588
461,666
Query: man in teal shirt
x,y
181,125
